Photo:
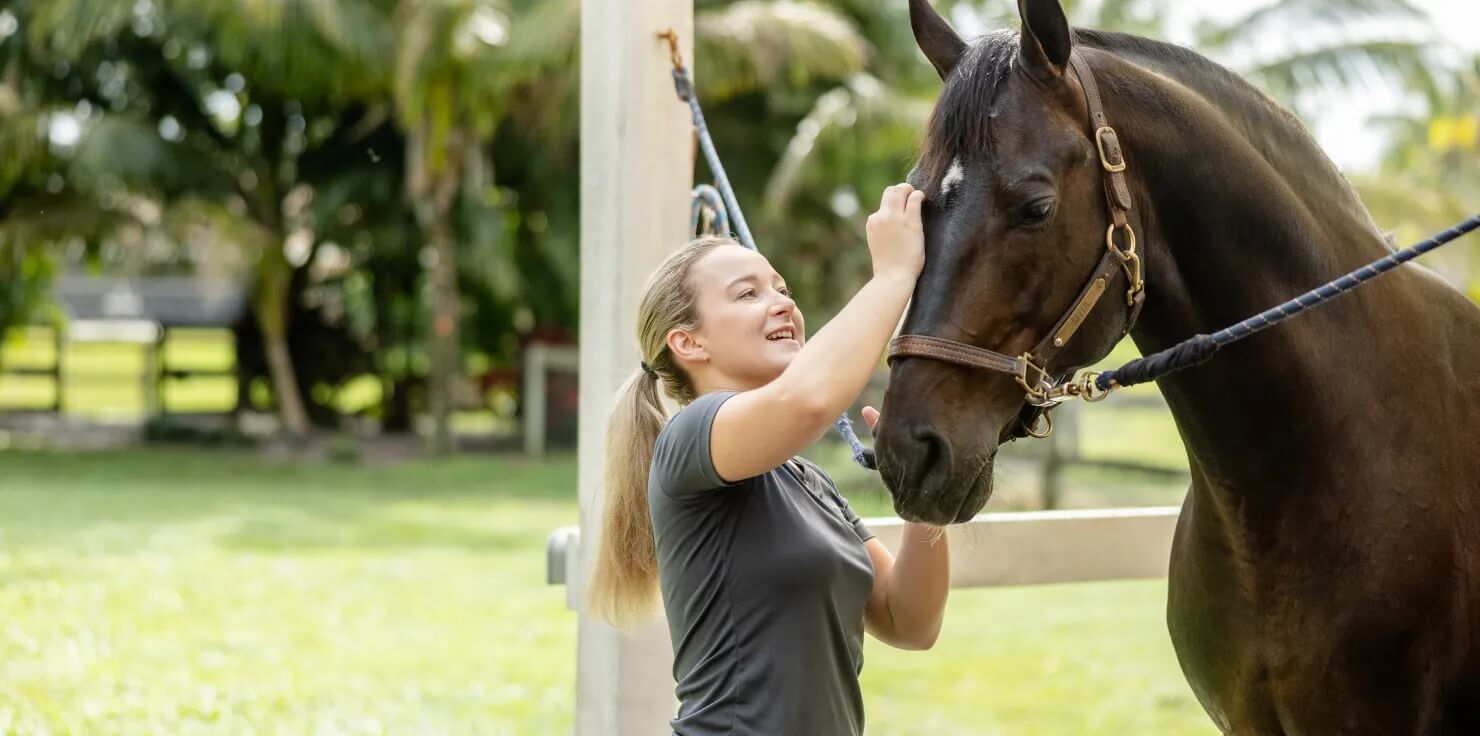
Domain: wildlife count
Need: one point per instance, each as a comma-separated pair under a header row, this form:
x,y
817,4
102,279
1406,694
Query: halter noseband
x,y
1044,391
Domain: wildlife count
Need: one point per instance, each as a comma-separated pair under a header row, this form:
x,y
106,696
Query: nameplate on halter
x,y
1081,311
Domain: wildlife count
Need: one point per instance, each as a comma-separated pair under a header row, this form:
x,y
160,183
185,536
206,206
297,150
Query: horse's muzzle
x,y
928,479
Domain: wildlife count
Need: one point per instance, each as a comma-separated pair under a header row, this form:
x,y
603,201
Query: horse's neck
x,y
1232,224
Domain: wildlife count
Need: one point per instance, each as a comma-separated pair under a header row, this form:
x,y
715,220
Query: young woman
x,y
768,577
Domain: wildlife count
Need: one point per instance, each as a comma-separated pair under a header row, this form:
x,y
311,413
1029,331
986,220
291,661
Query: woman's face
x,y
750,327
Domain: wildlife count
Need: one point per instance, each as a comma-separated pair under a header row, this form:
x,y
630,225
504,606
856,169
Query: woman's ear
x,y
685,347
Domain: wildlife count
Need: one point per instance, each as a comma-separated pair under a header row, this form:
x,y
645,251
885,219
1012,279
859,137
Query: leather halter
x,y
1044,390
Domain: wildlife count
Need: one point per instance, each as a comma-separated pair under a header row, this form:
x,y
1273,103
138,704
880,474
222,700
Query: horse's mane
x,y
962,117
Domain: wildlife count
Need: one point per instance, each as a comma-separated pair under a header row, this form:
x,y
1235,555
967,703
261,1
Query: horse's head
x,y
1016,225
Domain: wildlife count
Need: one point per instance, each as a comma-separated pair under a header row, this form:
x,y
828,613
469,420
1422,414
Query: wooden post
x,y
636,173
59,337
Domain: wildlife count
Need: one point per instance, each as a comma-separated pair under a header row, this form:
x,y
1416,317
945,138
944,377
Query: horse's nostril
x,y
927,463
931,447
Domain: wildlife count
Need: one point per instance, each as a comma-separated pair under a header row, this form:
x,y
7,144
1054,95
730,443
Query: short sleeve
x,y
682,463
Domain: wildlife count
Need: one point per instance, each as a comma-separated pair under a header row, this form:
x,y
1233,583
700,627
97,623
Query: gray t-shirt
x,y
764,584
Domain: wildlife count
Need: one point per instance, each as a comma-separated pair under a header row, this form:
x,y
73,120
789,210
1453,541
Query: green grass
x,y
199,593
170,592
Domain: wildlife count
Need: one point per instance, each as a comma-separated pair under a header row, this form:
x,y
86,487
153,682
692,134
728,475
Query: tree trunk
x,y
443,336
270,306
275,274
433,186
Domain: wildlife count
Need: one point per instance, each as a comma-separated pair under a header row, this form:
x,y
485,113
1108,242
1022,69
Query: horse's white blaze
x,y
953,175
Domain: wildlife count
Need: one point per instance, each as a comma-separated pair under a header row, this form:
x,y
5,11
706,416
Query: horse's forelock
x,y
961,125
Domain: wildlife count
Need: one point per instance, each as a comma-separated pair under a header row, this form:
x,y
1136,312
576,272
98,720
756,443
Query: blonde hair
x,y
624,583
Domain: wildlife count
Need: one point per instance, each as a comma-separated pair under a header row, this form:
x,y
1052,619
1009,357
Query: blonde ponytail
x,y
624,582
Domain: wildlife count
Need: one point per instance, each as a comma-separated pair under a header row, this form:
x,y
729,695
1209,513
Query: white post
x,y
534,400
636,173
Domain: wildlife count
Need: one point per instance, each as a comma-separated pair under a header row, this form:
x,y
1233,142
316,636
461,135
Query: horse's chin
x,y
957,501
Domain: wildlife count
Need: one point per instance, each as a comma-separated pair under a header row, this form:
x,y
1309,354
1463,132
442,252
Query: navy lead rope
x,y
1199,349
861,455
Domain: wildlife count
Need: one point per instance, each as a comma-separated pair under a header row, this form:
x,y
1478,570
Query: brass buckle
x,y
1100,144
1037,395
1129,261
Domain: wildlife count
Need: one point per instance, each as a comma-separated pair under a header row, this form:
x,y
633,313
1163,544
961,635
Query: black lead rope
x,y
1201,348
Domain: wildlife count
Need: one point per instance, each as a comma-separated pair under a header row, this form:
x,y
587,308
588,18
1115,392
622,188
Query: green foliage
x,y
1430,176
26,273
212,131
758,45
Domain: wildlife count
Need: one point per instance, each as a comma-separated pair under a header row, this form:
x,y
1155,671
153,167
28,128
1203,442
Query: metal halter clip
x,y
1034,432
1087,388
1129,261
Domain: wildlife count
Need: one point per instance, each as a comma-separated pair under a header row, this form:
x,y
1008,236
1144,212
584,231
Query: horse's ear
x,y
935,37
1046,41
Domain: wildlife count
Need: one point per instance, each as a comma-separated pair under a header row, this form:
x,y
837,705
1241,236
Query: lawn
x,y
175,592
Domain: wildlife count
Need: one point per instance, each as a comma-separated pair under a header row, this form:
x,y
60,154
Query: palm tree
x,y
214,98
1343,46
1430,175
461,66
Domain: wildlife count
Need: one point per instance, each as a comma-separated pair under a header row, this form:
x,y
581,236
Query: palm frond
x,y
863,102
65,28
1347,66
443,47
120,151
22,147
1275,19
305,49
758,44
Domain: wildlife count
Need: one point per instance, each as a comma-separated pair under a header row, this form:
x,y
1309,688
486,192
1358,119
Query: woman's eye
x,y
747,293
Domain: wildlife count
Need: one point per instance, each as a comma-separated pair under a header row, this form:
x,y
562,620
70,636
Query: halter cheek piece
x,y
1044,390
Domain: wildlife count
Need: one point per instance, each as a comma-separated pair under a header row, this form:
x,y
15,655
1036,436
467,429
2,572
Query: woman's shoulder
x,y
682,463
693,418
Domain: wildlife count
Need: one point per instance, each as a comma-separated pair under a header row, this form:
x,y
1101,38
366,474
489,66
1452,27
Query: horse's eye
x,y
1036,212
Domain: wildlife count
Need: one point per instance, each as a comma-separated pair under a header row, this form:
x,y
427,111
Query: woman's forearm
x,y
918,585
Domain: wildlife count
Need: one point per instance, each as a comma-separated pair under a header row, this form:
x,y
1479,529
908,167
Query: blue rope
x,y
1199,349
685,90
707,195
861,455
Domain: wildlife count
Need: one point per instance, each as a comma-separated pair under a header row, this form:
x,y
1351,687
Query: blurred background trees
x,y
394,182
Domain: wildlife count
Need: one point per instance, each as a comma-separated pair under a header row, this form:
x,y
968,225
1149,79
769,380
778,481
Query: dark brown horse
x,y
1325,576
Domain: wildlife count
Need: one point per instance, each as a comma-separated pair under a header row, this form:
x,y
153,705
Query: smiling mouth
x,y
785,333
